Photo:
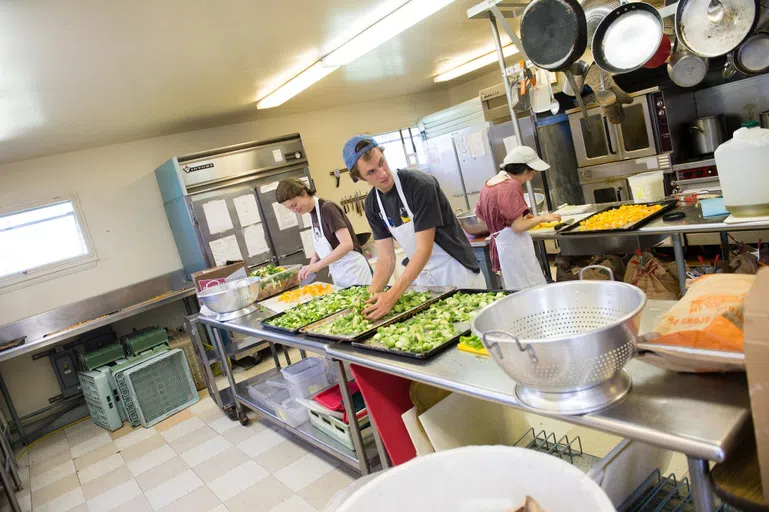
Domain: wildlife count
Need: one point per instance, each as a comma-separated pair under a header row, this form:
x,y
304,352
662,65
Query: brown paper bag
x,y
704,331
611,261
657,279
567,267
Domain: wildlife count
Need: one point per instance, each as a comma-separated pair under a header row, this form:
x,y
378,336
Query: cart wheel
x,y
242,417
232,413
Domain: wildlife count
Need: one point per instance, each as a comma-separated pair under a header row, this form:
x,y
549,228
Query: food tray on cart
x,y
277,303
267,322
437,293
576,228
463,327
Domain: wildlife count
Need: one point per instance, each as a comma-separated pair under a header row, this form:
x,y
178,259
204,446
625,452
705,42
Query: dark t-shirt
x,y
334,219
431,209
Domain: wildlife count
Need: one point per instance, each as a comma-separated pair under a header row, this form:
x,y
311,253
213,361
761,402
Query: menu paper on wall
x,y
225,249
285,217
269,187
248,211
307,243
256,243
510,142
306,220
217,216
475,144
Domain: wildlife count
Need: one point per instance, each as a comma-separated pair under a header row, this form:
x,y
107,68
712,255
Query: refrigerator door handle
x,y
291,254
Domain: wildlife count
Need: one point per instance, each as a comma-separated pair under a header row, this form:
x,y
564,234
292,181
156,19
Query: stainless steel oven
x,y
647,129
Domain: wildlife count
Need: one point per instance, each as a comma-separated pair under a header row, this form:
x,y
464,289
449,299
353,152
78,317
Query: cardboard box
x,y
757,362
216,275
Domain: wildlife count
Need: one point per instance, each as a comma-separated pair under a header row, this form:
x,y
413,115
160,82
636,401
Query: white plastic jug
x,y
743,169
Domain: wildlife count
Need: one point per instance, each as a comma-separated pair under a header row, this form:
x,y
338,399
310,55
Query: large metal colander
x,y
563,337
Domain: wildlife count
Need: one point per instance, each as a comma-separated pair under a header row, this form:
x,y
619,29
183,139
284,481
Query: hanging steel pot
x,y
712,36
752,56
686,69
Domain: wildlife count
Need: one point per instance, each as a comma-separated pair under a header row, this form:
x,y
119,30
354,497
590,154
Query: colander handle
x,y
493,345
602,267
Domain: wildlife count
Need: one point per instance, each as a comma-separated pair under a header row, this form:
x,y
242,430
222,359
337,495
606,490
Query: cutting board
x,y
731,219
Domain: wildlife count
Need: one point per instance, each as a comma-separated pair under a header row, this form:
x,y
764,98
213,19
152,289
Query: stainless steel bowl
x,y
563,337
231,296
472,224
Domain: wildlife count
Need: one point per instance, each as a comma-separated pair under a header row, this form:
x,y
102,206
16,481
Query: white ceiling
x,y
84,73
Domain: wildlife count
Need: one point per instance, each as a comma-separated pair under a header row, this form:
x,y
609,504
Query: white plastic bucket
x,y
647,187
501,479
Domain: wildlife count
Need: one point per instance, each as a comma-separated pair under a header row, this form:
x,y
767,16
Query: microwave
x,y
653,125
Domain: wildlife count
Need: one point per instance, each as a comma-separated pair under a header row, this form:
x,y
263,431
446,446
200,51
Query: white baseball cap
x,y
525,155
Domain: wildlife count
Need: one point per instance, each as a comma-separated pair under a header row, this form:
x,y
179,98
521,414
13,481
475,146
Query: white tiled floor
x,y
196,461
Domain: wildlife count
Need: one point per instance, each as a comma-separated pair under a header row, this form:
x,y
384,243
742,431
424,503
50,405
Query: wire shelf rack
x,y
664,494
568,449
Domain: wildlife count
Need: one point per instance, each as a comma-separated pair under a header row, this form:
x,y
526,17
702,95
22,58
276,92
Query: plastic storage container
x,y
280,401
280,282
339,430
306,377
647,187
742,170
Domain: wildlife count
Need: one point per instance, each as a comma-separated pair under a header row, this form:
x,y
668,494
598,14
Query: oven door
x,y
597,146
606,191
635,133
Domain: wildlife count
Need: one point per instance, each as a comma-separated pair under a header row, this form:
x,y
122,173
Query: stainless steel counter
x,y
251,325
698,415
47,341
693,223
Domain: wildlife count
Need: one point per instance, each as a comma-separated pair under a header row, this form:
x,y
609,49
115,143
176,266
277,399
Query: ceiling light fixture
x,y
294,86
405,16
477,63
383,30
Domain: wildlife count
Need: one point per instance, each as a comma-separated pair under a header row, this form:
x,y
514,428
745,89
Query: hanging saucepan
x,y
627,38
752,56
709,36
554,36
686,69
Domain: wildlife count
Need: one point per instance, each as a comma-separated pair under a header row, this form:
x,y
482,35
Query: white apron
x,y
519,264
351,269
441,269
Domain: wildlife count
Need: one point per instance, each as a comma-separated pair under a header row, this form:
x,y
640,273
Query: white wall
x,y
122,204
123,209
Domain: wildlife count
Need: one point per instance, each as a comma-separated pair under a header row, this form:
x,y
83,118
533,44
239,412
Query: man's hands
x,y
381,304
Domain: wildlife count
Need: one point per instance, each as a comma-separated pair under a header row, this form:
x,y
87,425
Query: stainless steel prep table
x,y
656,231
251,325
700,416
85,316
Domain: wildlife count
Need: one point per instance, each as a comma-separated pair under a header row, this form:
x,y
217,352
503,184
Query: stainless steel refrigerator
x,y
221,204
463,160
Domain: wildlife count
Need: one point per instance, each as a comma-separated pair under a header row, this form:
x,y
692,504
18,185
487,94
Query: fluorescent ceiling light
x,y
294,86
477,63
383,30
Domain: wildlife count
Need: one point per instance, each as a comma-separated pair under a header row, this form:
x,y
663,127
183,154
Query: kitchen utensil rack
x,y
664,494
566,448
